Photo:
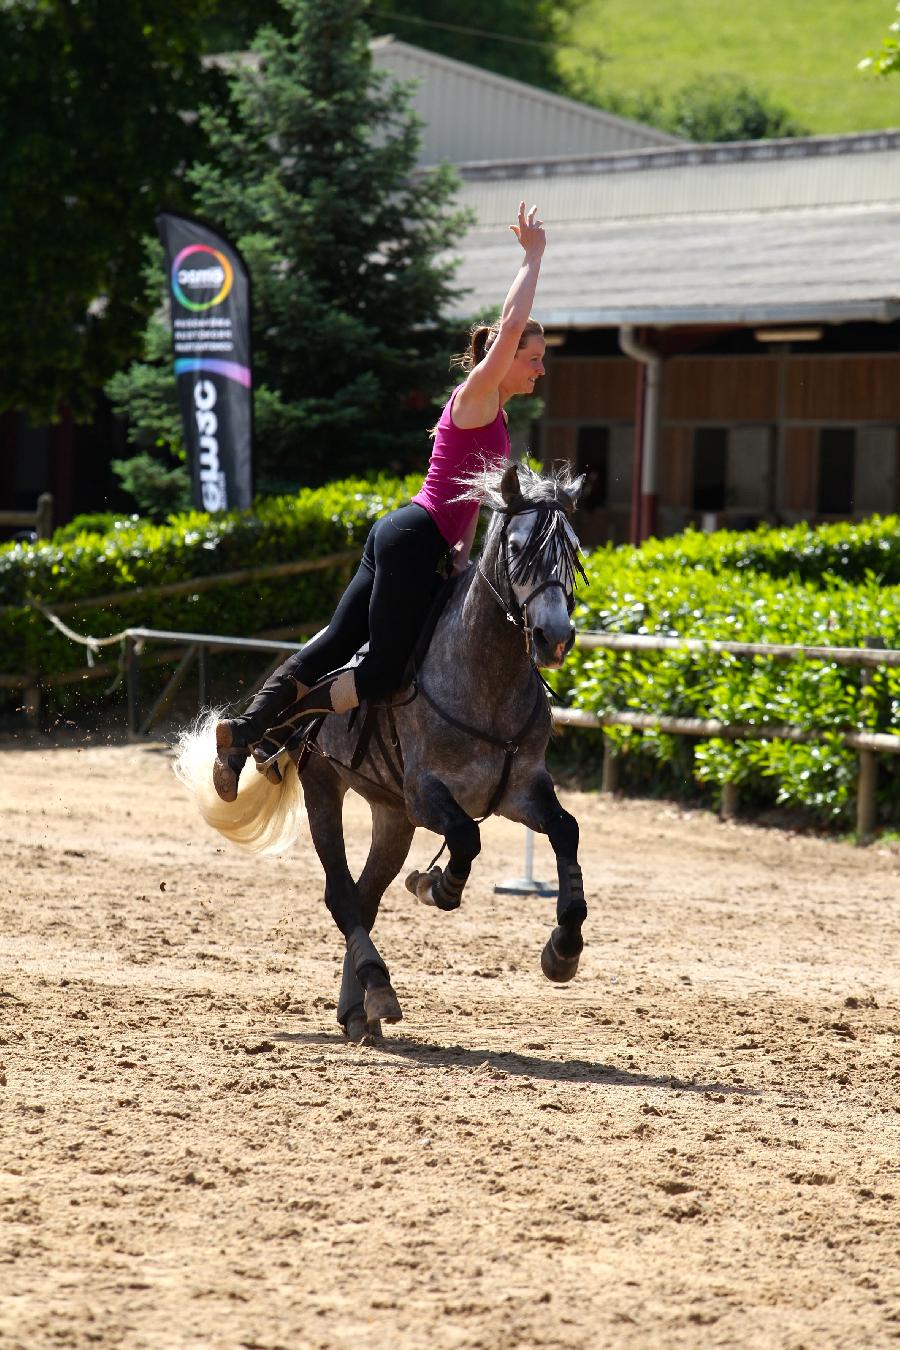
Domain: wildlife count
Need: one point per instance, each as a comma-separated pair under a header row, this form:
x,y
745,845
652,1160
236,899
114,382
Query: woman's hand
x,y
530,232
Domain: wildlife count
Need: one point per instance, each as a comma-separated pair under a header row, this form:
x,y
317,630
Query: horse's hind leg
x,y
324,795
433,805
391,837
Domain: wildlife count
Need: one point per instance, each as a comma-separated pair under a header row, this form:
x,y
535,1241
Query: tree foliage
x,y
714,109
312,176
91,102
886,61
728,110
517,38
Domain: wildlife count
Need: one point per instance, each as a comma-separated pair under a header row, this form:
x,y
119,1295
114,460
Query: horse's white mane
x,y
483,485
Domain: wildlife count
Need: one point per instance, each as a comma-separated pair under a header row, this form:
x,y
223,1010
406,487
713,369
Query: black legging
x,y
387,603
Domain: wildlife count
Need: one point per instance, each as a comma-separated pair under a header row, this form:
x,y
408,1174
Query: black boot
x,y
335,694
236,737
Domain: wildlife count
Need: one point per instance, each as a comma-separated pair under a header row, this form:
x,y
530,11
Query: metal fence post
x,y
525,884
202,675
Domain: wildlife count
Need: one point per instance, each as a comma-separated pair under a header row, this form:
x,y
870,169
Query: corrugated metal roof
x,y
753,176
474,114
827,265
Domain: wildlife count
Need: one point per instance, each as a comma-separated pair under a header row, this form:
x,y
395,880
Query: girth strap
x,y
510,746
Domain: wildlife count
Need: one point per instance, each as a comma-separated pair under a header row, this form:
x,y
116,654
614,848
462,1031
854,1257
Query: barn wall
x,y
771,411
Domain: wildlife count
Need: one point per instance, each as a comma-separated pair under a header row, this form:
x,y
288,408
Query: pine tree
x,y
313,177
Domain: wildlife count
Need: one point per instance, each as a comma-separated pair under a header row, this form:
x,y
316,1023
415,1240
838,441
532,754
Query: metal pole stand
x,y
525,884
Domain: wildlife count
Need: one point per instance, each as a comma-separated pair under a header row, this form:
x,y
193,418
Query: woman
x,y
388,599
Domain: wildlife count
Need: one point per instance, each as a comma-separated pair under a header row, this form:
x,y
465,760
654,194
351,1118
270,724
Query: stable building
x,y
723,324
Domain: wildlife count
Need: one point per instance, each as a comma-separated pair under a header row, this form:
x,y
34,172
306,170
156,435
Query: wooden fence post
x,y
728,808
133,684
32,705
867,778
610,779
43,516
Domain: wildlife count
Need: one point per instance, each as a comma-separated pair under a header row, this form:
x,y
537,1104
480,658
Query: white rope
x,y
93,644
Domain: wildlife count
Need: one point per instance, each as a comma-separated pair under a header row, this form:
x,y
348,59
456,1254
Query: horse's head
x,y
532,552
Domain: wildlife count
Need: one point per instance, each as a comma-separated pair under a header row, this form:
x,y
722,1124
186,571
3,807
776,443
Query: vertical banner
x,y
210,294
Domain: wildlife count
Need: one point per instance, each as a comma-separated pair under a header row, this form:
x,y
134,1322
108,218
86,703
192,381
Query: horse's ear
x,y
509,484
573,492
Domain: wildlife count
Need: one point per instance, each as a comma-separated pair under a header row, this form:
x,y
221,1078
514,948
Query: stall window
x,y
593,461
837,459
710,468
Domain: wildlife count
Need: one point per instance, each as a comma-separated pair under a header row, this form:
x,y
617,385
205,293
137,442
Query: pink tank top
x,y
457,451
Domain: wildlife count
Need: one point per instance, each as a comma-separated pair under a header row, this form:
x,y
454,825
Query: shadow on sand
x,y
508,1063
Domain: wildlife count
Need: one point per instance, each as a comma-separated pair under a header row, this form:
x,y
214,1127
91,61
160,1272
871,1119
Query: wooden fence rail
x,y
32,684
869,744
40,519
193,648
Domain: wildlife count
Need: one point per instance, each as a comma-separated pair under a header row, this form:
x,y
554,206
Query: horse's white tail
x,y
265,817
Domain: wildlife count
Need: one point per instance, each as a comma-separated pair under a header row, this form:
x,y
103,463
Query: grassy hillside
x,y
802,52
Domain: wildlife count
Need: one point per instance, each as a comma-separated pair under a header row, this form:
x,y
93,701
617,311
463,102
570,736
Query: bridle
x,y
541,535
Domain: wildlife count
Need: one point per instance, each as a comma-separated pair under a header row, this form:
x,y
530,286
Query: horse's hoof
x,y
382,1005
558,968
356,1027
374,1035
420,885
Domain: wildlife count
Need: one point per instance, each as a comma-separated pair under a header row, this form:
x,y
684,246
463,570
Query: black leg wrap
x,y
571,908
363,953
464,843
562,832
379,1000
351,995
448,889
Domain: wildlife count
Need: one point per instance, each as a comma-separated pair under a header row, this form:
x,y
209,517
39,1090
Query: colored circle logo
x,y
213,272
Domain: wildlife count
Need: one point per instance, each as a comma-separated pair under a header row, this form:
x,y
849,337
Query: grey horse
x,y
467,739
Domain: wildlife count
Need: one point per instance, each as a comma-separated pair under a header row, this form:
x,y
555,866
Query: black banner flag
x,y
210,293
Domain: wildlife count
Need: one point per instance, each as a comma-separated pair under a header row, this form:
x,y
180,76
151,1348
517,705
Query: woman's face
x,y
528,365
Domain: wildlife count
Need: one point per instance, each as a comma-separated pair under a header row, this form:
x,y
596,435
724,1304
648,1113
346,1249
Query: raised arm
x,y
478,400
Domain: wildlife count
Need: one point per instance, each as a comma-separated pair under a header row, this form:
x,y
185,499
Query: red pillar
x,y
635,529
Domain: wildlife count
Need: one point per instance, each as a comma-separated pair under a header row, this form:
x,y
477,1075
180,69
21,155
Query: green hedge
x,y
850,552
135,553
835,585
683,587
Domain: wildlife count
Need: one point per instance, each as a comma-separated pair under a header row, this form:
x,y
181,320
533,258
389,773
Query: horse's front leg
x,y
431,804
539,808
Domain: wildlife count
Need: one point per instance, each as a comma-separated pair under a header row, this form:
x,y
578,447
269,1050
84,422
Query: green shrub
x,y
849,551
137,553
702,587
94,522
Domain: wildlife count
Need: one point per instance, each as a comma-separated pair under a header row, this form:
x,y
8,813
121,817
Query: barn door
x,y
749,469
875,472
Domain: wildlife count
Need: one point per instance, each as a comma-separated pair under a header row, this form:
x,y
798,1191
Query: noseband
x,y
516,612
